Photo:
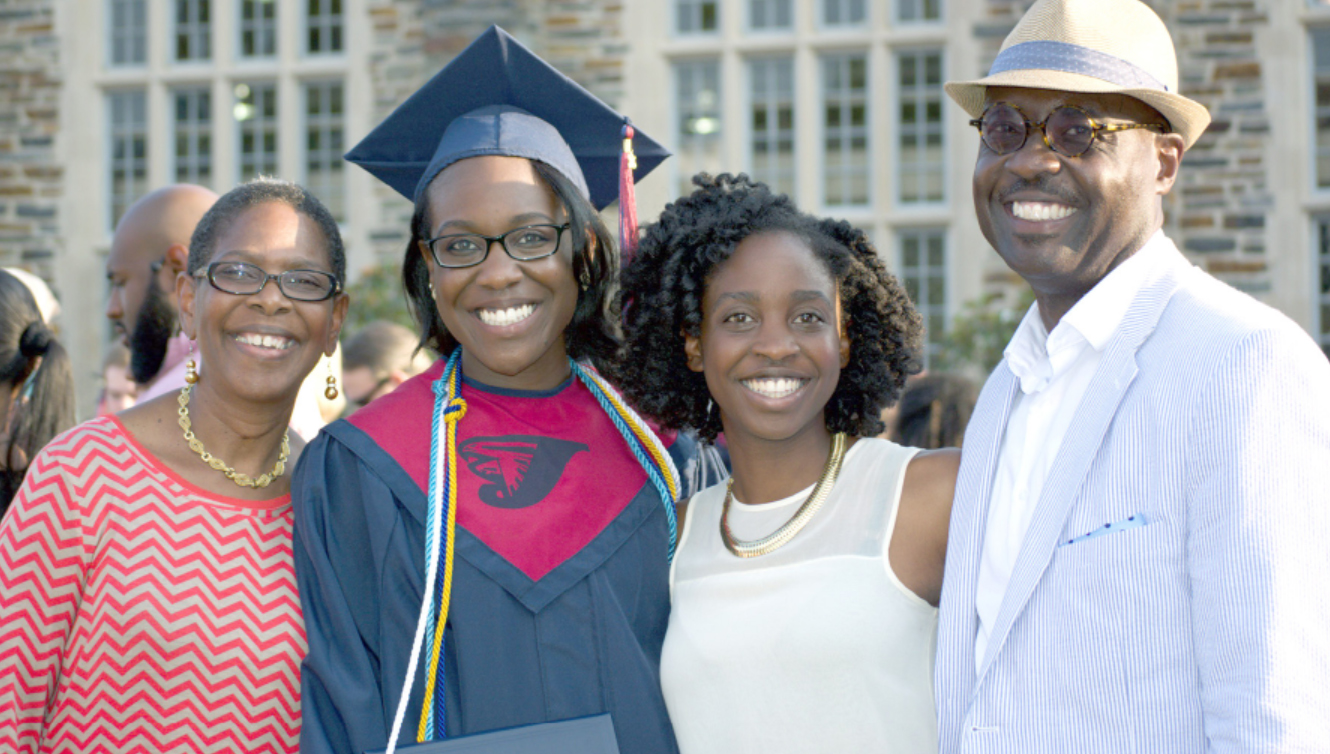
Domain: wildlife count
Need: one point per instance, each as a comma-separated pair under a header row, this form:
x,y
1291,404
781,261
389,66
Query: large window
x,y
696,16
323,26
764,15
128,127
844,12
845,129
912,11
697,104
771,81
1323,284
1321,61
324,126
256,119
193,30
127,32
919,164
922,267
192,127
258,28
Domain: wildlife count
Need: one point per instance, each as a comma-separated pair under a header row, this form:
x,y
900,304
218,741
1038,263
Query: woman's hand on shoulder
x,y
919,542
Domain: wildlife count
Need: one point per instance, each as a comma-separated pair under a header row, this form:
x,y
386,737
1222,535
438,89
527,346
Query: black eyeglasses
x,y
525,244
1068,130
244,279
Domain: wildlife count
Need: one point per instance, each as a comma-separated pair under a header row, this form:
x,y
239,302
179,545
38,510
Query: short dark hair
x,y
591,333
382,346
664,284
262,190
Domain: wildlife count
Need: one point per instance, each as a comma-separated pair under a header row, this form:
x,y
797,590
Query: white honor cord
x,y
431,577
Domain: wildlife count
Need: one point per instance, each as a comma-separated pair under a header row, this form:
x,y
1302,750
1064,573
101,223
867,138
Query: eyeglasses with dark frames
x,y
1068,130
525,244
245,279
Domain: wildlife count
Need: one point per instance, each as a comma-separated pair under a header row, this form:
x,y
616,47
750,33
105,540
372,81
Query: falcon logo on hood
x,y
518,470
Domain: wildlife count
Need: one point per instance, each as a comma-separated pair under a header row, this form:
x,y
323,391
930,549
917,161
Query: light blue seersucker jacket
x,y
1208,628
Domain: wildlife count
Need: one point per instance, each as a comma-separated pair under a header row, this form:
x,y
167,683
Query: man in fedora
x,y
1137,559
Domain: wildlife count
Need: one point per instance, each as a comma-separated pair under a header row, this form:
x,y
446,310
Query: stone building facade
x,y
1252,205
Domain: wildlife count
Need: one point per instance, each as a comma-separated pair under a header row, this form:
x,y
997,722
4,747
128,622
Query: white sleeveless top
x,y
816,647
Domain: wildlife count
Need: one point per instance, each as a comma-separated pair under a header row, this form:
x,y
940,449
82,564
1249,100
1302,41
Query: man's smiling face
x,y
1063,223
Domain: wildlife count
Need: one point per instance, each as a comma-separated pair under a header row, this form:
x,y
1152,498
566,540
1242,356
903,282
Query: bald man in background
x,y
151,246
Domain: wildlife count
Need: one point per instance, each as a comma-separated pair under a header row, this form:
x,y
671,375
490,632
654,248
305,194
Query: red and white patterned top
x,y
139,613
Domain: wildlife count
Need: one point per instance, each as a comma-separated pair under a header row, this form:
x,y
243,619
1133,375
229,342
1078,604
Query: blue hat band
x,y
1070,58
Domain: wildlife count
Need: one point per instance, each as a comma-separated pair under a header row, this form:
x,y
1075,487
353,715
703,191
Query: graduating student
x,y
492,539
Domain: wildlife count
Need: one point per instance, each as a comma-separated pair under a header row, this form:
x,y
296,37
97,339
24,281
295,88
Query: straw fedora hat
x,y
1094,46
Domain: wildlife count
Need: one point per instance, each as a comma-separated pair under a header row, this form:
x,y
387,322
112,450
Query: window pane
x,y
128,168
694,16
323,27
258,28
323,140
697,102
192,131
127,32
772,104
924,276
193,30
255,112
919,172
845,129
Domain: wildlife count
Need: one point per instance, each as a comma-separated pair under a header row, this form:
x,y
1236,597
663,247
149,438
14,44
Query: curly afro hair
x,y
662,291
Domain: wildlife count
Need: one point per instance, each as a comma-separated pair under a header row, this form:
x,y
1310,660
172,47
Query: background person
x,y
377,358
1136,559
934,410
147,594
36,385
118,391
803,594
151,247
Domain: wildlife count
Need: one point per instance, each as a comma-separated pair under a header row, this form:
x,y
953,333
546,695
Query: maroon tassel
x,y
627,197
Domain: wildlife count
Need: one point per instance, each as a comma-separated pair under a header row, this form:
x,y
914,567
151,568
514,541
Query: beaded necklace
x,y
441,524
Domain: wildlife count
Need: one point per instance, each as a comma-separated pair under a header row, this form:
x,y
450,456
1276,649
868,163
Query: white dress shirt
x,y
1054,370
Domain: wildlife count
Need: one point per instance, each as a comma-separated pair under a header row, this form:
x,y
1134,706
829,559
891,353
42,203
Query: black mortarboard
x,y
498,98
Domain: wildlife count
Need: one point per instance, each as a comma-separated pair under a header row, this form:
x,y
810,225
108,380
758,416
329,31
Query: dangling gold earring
x,y
330,392
191,367
584,278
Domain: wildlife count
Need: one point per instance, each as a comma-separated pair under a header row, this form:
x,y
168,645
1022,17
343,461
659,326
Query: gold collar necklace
x,y
786,532
240,478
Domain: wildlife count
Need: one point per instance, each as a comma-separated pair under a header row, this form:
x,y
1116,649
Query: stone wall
x,y
1217,211
413,39
31,180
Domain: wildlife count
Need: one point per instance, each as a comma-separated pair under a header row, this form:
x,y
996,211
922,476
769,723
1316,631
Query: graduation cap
x,y
498,98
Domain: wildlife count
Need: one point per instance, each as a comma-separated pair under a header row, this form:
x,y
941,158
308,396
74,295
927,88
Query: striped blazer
x,y
1172,593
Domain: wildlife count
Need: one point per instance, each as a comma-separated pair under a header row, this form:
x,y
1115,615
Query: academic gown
x,y
560,593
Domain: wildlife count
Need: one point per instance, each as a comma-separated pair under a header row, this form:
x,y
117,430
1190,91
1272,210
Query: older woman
x,y
147,593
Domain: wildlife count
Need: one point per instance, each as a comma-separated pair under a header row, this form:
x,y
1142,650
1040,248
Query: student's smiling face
x,y
509,316
771,344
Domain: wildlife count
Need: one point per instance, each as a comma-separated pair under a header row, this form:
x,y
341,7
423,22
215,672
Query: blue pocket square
x,y
1130,522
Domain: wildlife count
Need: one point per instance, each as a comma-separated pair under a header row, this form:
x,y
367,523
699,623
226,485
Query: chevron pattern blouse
x,y
139,613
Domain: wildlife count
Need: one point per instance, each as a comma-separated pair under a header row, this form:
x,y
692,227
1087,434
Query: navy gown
x,y
560,597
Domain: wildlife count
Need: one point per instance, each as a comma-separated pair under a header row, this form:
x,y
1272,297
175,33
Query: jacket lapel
x,y
974,486
1081,445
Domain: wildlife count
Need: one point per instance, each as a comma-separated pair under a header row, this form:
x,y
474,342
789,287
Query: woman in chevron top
x,y
147,591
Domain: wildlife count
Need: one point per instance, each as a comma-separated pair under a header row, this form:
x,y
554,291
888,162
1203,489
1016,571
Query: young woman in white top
x,y
804,590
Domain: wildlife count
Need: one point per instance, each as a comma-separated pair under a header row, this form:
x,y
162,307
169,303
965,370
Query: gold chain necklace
x,y
240,478
786,532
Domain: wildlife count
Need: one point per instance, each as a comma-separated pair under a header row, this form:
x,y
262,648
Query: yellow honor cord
x,y
451,420
651,447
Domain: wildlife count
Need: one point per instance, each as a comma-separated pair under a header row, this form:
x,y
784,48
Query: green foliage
x,y
978,335
377,294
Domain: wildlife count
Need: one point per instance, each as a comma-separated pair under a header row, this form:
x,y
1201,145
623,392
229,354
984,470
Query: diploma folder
x,y
580,735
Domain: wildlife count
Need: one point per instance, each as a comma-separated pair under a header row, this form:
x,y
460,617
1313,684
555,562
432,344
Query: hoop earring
x,y
191,367
330,392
